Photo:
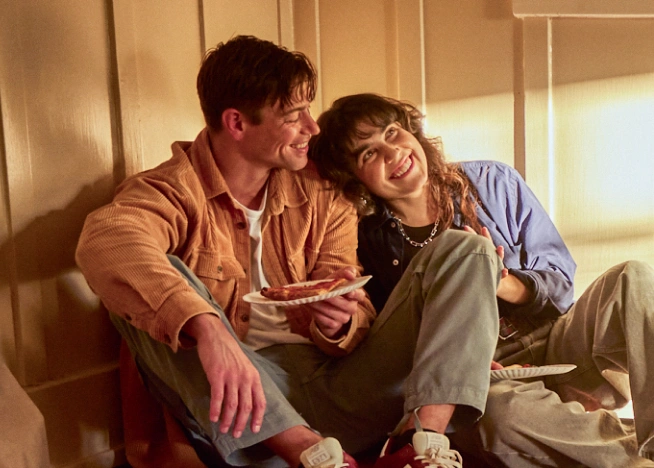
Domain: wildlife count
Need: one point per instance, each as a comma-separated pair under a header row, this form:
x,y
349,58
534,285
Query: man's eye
x,y
292,118
391,131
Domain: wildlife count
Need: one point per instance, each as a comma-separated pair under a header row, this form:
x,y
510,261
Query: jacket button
x,y
396,262
240,225
219,269
245,318
393,224
128,317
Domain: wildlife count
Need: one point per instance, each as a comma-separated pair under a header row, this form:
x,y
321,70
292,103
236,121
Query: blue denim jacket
x,y
534,250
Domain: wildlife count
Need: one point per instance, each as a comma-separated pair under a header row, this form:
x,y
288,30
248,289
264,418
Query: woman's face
x,y
390,162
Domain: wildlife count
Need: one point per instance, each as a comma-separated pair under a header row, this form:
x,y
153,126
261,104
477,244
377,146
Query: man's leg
x,y
432,344
609,335
180,375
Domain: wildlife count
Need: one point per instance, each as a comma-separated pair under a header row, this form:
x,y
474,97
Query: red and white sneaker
x,y
326,454
428,450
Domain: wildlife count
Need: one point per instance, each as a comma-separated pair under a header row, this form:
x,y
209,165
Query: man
x,y
236,210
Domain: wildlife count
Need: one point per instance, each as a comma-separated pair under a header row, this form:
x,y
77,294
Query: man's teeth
x,y
402,170
301,145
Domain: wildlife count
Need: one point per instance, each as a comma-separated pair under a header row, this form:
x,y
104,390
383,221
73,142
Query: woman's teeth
x,y
402,170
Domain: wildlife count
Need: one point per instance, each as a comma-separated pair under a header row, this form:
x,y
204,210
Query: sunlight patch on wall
x,y
604,157
474,128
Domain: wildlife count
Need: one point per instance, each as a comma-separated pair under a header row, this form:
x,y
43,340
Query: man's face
x,y
282,138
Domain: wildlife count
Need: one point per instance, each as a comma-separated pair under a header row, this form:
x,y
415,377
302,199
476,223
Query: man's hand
x,y
332,316
236,391
510,289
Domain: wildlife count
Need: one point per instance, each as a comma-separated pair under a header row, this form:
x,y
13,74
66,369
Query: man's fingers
x,y
258,407
230,405
244,410
216,404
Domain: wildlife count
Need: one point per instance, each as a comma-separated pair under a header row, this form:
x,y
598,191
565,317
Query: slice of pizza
x,y
291,292
517,366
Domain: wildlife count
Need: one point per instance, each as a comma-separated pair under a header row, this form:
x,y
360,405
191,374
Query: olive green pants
x,y
432,343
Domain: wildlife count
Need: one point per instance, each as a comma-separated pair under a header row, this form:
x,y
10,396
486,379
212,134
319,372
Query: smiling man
x,y
234,211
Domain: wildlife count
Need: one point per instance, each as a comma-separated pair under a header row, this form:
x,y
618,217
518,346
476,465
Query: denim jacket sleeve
x,y
534,249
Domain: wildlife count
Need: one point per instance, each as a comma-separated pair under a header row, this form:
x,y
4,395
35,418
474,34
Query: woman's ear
x,y
232,121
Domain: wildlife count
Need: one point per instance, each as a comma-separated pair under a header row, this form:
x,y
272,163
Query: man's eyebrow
x,y
295,109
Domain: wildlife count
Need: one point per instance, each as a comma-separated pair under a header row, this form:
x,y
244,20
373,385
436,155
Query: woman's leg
x,y
609,335
432,344
527,425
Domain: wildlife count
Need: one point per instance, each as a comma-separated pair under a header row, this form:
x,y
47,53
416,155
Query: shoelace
x,y
437,458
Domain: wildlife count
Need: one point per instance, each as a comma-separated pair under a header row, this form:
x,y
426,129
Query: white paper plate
x,y
528,372
257,298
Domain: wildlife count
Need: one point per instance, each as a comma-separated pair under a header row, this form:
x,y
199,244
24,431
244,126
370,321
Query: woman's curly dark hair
x,y
331,150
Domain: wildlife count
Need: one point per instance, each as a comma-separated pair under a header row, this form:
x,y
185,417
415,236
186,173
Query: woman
x,y
374,150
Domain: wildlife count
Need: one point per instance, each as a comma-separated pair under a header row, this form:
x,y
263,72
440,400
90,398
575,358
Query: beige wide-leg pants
x,y
566,420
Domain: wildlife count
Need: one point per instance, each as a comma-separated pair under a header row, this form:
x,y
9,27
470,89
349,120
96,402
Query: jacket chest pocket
x,y
220,273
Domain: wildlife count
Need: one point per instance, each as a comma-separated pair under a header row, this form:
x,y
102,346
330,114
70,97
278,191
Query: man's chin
x,y
297,164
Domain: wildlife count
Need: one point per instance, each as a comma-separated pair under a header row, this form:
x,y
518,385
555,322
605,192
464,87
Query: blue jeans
x,y
431,344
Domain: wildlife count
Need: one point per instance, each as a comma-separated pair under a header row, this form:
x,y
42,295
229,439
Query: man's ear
x,y
233,122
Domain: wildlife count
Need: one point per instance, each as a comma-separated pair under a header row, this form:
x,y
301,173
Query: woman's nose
x,y
391,153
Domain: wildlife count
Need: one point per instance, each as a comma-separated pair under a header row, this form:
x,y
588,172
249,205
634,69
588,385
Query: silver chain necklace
x,y
411,241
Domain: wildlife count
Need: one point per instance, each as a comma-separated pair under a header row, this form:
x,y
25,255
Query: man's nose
x,y
310,124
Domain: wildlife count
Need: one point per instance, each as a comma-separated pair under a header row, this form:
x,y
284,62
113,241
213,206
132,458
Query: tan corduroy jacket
x,y
183,207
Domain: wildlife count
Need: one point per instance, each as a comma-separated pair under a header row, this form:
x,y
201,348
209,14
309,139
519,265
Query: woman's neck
x,y
415,212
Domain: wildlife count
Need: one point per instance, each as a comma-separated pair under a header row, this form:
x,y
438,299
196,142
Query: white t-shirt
x,y
268,325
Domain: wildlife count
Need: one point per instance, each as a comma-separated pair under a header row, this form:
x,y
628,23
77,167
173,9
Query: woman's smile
x,y
404,168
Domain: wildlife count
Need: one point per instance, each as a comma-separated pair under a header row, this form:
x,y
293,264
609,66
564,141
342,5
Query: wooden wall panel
x,y
224,19
158,52
346,69
57,133
469,78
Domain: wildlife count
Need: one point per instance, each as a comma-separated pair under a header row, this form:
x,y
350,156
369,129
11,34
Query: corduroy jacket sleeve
x,y
340,246
122,254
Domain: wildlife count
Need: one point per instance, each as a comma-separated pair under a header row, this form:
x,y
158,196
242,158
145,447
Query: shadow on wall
x,y
77,334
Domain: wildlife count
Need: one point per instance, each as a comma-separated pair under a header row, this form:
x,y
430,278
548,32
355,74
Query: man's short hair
x,y
247,73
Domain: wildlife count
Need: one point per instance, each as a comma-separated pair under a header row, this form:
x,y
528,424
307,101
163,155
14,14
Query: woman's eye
x,y
391,131
367,155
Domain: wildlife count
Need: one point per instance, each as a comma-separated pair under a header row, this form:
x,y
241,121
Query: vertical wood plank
x,y
538,152
306,22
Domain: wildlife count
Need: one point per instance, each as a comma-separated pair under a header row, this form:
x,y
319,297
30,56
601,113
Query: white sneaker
x,y
426,450
433,450
325,454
